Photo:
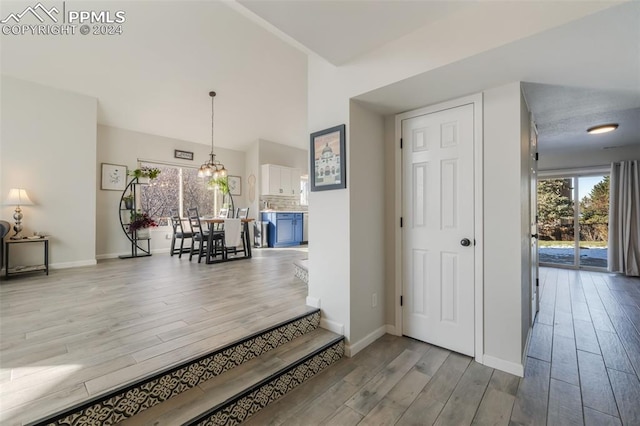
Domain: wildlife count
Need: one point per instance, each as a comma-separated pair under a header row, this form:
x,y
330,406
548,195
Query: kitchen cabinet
x,y
280,180
285,229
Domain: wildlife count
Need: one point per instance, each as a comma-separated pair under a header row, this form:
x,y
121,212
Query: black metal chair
x,y
200,235
178,234
242,213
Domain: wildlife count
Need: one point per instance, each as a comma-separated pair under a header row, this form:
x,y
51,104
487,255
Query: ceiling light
x,y
603,128
212,168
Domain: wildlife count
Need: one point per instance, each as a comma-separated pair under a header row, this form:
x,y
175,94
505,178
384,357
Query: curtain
x,y
624,218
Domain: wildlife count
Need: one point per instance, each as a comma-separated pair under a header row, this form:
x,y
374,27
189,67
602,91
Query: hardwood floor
x,y
582,369
81,332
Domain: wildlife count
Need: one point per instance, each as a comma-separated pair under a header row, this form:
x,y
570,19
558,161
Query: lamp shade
x,y
17,197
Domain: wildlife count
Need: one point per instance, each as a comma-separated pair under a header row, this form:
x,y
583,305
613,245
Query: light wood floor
x,y
582,368
81,332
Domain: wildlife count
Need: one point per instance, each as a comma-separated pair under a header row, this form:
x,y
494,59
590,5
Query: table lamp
x,y
17,197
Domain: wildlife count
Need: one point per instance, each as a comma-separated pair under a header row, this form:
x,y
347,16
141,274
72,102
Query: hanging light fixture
x,y
212,168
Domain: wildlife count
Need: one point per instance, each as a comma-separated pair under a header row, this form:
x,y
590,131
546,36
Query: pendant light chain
x,y
212,96
212,168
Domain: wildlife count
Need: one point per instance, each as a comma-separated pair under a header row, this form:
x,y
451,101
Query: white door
x,y
438,230
533,174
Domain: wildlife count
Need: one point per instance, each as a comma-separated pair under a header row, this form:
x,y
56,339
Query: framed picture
x,y
183,155
235,185
114,177
328,163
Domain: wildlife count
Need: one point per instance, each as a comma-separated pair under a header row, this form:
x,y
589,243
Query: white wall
x,y
330,91
252,169
525,222
366,177
588,158
505,206
284,155
120,146
390,224
329,236
48,143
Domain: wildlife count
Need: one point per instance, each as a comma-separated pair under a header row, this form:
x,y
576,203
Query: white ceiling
x,y
563,115
341,30
156,77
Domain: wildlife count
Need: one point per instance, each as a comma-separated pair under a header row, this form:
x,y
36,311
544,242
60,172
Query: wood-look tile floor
x,y
80,332
582,369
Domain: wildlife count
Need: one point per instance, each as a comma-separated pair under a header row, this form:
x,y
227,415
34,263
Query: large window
x,y
573,221
178,188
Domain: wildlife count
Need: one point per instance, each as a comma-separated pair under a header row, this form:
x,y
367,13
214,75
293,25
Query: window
x,y
177,188
573,215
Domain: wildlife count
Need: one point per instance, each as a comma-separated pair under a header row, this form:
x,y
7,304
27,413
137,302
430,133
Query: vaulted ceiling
x,y
155,78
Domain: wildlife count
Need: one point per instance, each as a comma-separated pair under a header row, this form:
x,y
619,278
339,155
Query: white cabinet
x,y
280,180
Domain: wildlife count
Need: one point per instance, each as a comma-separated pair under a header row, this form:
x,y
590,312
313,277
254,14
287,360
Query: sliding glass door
x,y
593,223
573,220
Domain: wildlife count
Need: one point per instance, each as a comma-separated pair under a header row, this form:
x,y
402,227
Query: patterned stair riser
x,y
301,273
239,410
127,402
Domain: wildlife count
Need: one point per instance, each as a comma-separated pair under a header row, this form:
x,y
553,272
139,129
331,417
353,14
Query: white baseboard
x,y
501,364
333,326
366,341
391,329
313,302
76,264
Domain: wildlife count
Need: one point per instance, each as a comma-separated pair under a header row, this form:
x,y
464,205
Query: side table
x,y
24,269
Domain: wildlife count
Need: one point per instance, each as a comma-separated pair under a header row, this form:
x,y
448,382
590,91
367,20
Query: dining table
x,y
224,258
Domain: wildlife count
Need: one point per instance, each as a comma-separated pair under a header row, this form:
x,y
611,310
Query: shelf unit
x,y
137,249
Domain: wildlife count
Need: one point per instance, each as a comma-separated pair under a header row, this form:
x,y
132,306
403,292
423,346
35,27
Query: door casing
x,y
477,102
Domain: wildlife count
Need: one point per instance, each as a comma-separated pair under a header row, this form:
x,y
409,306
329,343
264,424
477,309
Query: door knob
x,y
465,242
534,236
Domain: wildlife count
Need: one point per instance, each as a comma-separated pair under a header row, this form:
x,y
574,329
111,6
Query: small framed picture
x,y
328,163
183,155
114,177
235,185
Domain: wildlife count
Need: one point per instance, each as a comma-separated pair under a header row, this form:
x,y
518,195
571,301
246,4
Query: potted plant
x,y
140,224
128,201
145,174
221,183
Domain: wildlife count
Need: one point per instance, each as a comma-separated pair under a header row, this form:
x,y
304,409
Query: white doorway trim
x,y
477,102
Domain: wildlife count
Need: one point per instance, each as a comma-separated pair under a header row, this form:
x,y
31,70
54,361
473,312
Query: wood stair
x,y
224,387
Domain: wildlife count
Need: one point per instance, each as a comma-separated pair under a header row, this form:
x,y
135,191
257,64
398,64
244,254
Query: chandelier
x,y
212,168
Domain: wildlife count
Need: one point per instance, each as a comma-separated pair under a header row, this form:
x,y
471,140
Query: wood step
x,y
232,397
129,399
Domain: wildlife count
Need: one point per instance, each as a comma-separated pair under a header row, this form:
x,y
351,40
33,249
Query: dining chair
x,y
178,233
200,235
242,213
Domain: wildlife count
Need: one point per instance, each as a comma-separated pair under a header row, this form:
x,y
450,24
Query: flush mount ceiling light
x,y
212,168
603,128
